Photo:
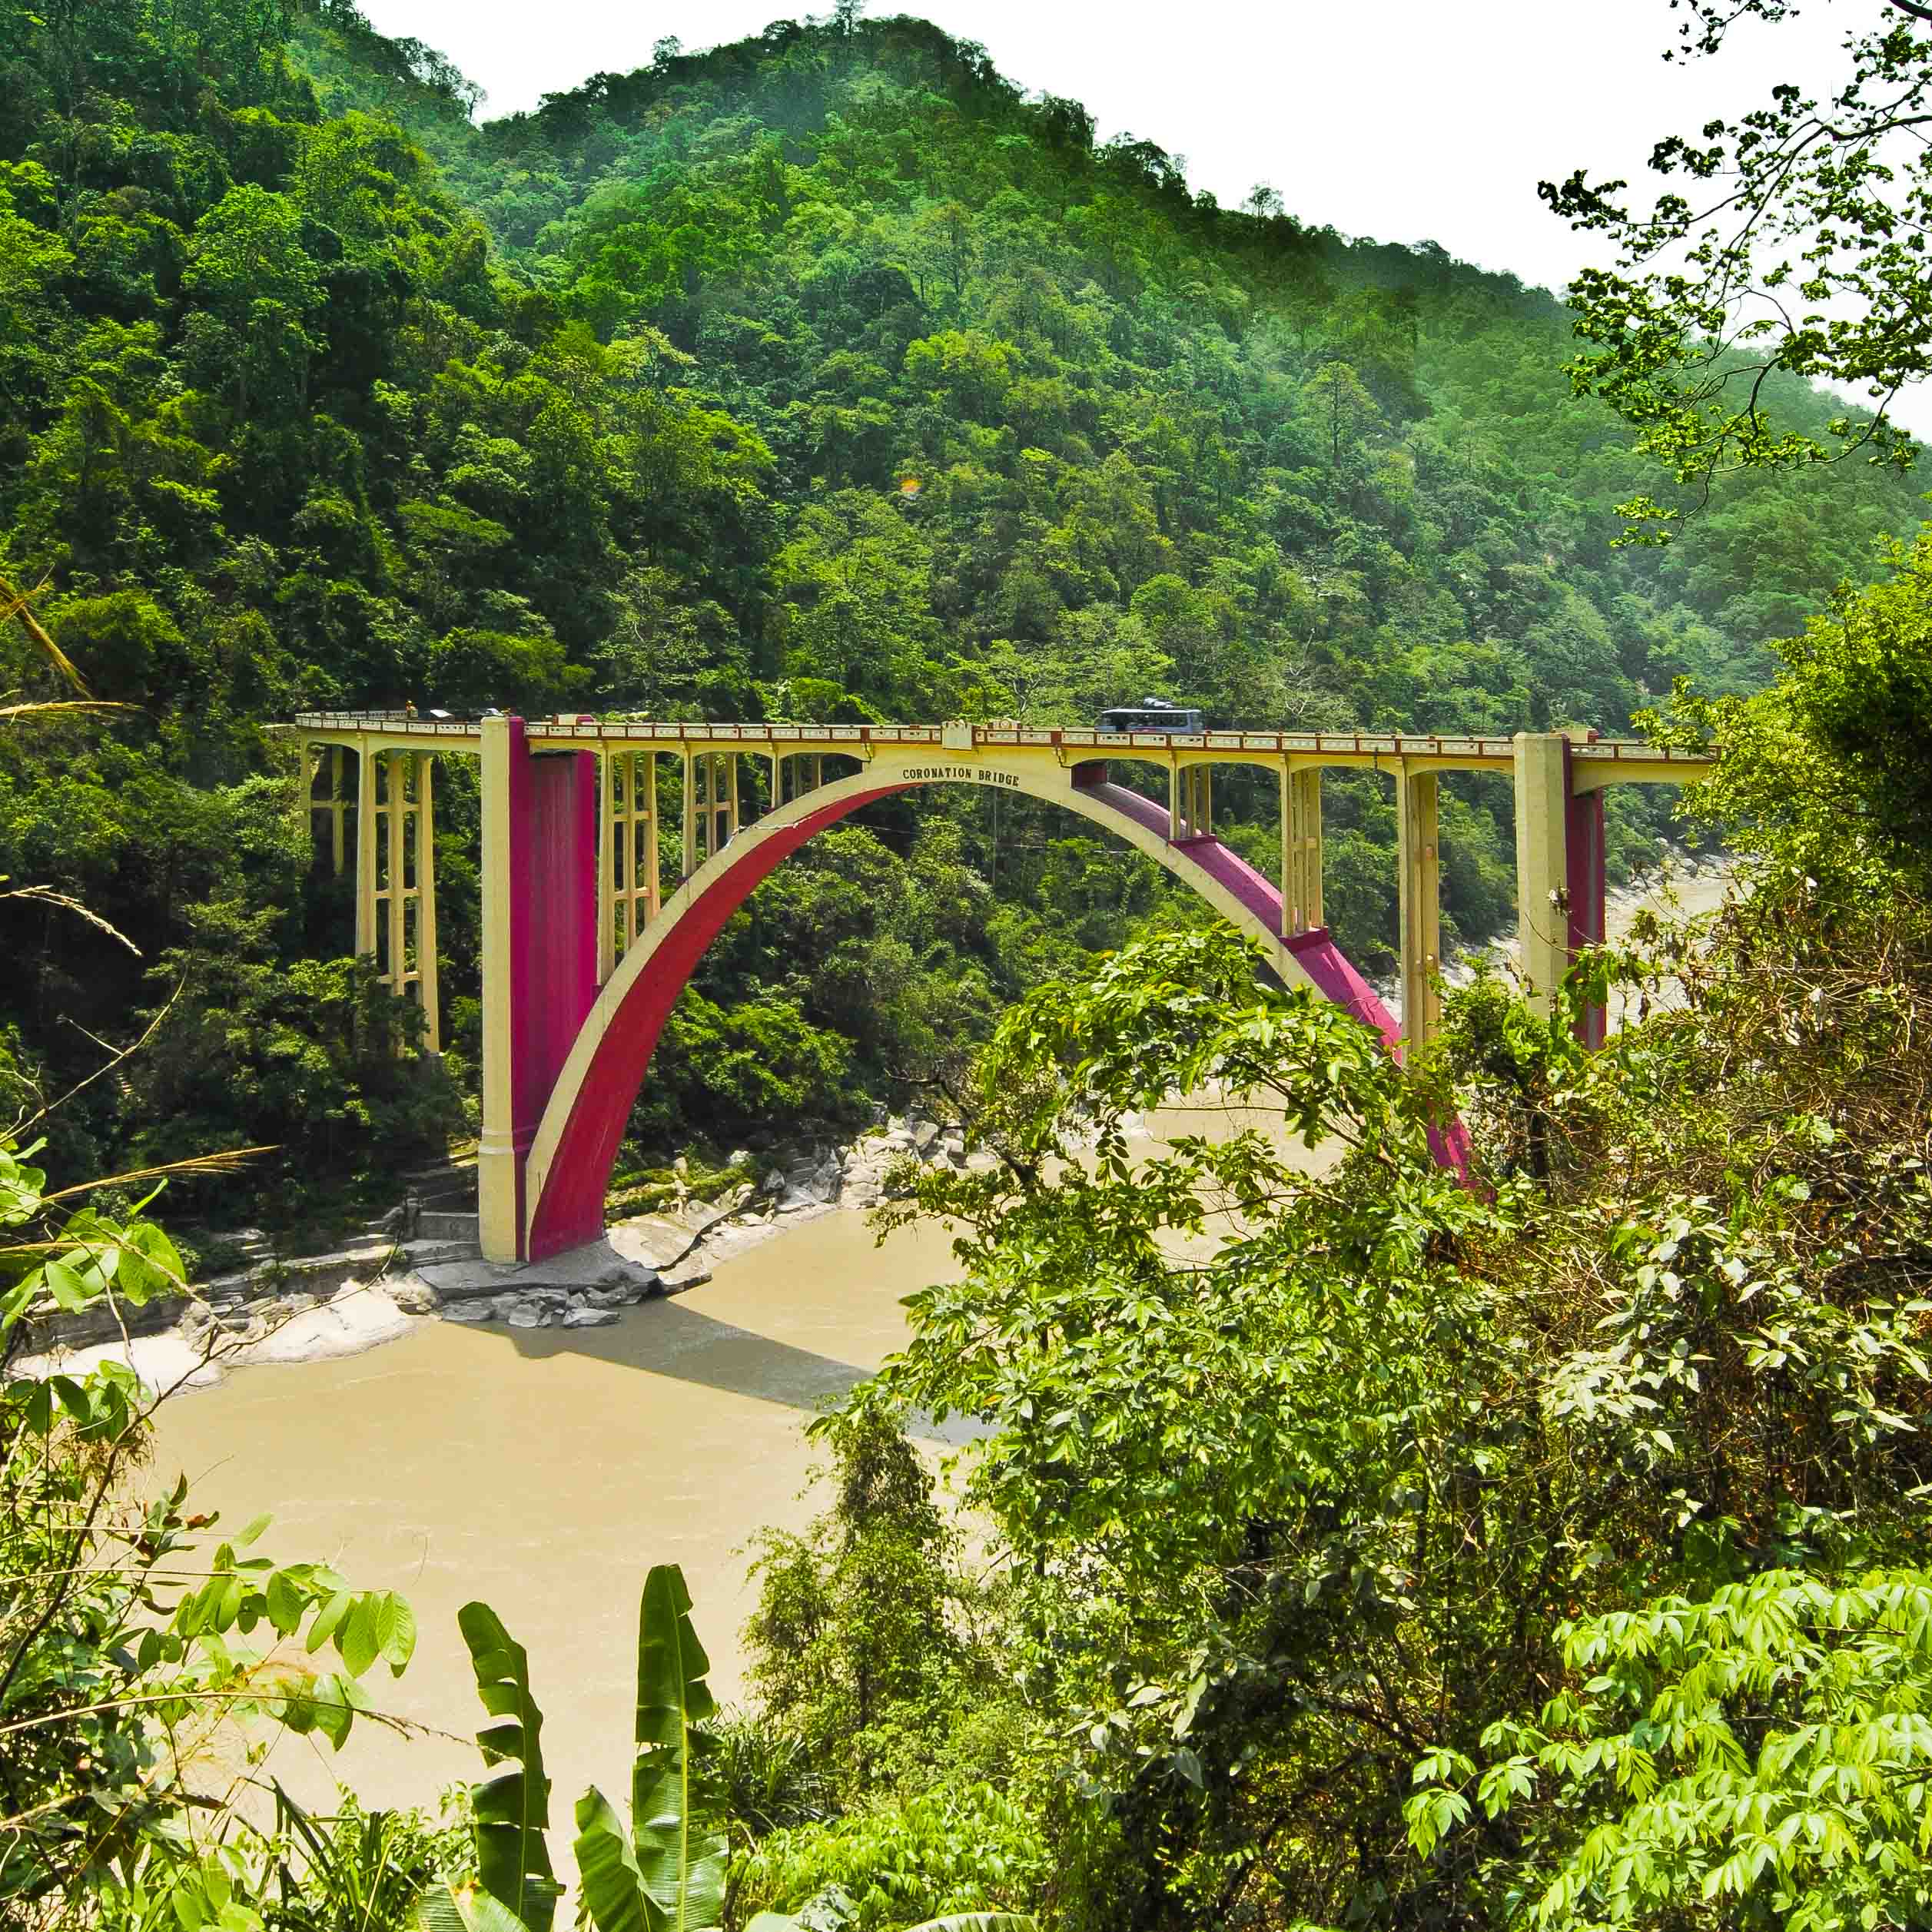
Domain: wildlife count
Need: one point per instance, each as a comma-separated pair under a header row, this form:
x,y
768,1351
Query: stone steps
x,y
456,1226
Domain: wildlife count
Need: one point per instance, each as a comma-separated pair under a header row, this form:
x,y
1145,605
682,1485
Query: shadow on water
x,y
668,1337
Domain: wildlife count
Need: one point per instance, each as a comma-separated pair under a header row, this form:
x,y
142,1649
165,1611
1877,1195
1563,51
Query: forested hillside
x,y
823,374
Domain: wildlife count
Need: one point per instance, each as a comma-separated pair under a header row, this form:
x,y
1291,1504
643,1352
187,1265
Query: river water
x,y
544,1471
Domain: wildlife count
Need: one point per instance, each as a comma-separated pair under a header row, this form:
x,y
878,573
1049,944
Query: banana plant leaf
x,y
464,1908
681,1854
613,1888
512,1807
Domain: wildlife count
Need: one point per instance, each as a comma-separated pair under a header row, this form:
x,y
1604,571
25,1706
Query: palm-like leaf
x,y
513,1807
464,1908
681,1855
613,1888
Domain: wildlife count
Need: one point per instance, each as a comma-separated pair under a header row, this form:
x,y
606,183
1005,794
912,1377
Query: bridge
x,y
586,945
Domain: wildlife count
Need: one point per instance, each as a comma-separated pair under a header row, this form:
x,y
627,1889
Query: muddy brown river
x,y
545,1470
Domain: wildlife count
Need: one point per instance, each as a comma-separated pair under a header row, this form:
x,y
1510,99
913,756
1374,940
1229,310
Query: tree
x,y
259,289
1794,245
126,1643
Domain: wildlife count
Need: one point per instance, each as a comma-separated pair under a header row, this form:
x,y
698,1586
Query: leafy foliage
x,y
125,1641
1786,242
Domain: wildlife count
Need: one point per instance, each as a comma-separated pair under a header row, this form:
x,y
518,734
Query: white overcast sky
x,y
1405,120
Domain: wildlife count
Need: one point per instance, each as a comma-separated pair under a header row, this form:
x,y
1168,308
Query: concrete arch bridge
x,y
586,945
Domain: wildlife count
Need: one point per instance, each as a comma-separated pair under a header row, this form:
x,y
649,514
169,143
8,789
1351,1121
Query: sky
x,y
1404,120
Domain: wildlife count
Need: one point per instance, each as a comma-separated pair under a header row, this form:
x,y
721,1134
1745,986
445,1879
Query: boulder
x,y
482,1309
281,1308
526,1311
415,1297
620,1294
589,1318
194,1322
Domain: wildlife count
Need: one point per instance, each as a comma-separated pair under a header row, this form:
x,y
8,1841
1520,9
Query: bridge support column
x,y
689,821
1301,850
426,992
1559,872
365,852
1190,810
540,896
1419,864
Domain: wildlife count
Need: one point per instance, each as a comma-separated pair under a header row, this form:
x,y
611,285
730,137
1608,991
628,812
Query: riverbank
x,y
404,1286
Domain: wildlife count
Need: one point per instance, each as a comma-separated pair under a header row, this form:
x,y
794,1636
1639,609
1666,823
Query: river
x,y
545,1470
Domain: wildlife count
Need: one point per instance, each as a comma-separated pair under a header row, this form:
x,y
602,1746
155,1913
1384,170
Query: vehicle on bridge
x,y
1154,714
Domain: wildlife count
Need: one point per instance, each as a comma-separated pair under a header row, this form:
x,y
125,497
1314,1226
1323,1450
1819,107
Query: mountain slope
x,y
825,372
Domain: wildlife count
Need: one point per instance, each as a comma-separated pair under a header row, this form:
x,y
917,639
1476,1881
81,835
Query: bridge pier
x,y
395,873
1301,849
540,901
1560,891
1419,897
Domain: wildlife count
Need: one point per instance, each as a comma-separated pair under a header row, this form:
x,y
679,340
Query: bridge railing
x,y
1496,751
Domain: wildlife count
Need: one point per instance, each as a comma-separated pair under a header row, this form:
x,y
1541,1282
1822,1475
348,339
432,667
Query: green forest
x,y
825,376
1339,1542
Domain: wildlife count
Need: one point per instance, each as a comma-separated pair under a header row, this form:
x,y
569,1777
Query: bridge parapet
x,y
1599,760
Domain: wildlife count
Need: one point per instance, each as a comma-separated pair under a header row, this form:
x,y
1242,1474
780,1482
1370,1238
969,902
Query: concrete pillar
x,y
539,954
1542,863
1583,879
610,859
309,759
338,806
643,847
1176,801
1301,849
365,852
1419,868
1200,816
396,824
1194,817
690,814
425,982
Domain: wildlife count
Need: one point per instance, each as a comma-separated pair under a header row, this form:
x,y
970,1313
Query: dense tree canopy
x,y
823,373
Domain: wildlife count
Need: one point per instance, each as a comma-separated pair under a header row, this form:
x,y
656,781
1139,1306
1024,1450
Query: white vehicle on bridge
x,y
1154,714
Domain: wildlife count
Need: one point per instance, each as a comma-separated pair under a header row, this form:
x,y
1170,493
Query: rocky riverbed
x,y
358,1298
